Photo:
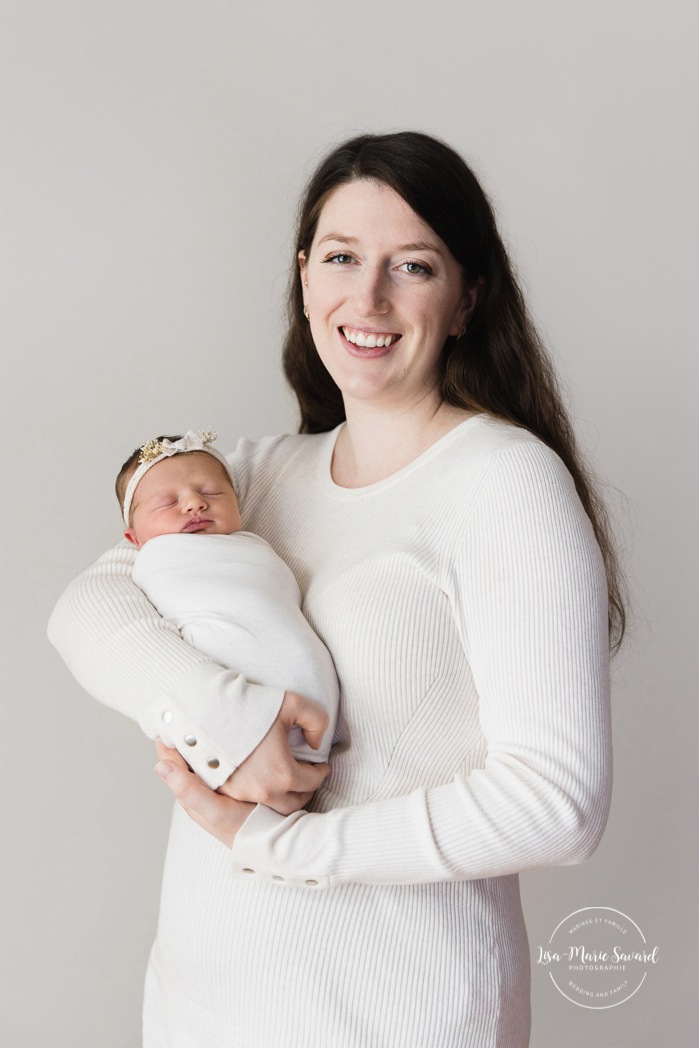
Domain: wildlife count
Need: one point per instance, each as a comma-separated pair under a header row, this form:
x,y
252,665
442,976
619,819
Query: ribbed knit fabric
x,y
464,602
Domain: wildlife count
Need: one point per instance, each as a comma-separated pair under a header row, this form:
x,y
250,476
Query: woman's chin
x,y
363,390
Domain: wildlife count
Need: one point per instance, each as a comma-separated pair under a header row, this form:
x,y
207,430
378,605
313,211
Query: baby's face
x,y
188,493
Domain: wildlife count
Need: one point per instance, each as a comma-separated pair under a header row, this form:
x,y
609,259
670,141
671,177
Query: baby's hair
x,y
130,466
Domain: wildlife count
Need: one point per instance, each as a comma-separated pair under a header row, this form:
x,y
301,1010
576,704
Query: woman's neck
x,y
377,442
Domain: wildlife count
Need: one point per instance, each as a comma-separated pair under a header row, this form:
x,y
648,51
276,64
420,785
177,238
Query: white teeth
x,y
359,338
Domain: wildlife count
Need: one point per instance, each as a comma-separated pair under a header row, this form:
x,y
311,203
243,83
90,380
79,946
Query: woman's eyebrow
x,y
343,238
421,245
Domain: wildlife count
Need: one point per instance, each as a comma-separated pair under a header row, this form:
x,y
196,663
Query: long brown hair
x,y
500,366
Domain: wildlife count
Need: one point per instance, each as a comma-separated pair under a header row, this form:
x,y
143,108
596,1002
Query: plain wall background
x,y
153,151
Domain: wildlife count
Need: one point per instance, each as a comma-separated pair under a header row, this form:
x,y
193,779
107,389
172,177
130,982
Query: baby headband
x,y
154,451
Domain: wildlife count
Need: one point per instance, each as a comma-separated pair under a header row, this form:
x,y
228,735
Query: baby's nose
x,y
195,500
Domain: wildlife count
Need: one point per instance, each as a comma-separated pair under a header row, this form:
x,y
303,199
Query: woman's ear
x,y
475,292
471,298
304,280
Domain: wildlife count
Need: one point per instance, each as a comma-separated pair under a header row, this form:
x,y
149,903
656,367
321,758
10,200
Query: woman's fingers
x,y
273,791
308,715
310,776
218,815
271,775
171,757
307,779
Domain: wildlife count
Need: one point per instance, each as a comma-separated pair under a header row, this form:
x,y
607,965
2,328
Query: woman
x,y
447,543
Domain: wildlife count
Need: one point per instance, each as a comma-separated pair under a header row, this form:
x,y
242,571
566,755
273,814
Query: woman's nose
x,y
371,293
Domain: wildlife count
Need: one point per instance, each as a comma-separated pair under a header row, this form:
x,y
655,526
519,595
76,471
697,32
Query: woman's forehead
x,y
369,209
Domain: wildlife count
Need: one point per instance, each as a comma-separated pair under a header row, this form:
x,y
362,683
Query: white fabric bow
x,y
191,441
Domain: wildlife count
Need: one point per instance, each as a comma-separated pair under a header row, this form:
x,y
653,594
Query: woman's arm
x,y
122,652
529,597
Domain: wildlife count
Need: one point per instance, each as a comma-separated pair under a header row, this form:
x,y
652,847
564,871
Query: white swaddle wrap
x,y
234,599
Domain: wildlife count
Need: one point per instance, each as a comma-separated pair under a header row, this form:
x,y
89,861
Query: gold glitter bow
x,y
192,441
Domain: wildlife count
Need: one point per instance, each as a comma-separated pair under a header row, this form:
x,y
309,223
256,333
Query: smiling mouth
x,y
369,339
197,524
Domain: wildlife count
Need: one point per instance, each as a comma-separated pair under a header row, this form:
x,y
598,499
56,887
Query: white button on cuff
x,y
246,869
190,740
276,877
213,762
311,882
167,717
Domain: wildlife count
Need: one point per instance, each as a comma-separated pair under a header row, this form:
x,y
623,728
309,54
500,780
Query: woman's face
x,y
383,292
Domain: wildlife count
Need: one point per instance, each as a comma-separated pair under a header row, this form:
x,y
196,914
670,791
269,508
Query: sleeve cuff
x,y
237,718
251,851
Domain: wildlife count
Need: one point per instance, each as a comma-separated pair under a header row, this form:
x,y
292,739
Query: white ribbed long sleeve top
x,y
464,602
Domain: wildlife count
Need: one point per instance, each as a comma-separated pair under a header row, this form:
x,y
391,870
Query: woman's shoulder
x,y
492,461
510,449
486,443
519,478
492,435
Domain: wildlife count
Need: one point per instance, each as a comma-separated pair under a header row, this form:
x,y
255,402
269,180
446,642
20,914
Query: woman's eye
x,y
415,267
340,258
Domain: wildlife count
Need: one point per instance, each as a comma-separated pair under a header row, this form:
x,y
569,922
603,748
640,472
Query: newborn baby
x,y
226,590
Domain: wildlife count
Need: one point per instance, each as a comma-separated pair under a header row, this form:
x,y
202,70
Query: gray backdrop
x,y
153,151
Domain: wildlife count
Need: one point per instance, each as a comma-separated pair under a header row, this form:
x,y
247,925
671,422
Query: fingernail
x,y
164,769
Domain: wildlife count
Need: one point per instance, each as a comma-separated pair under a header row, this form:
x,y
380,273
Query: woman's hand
x,y
271,775
220,816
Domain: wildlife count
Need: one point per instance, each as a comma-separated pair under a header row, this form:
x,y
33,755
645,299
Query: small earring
x,y
462,332
307,313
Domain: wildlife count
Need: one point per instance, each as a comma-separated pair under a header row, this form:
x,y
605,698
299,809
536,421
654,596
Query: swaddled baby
x,y
226,590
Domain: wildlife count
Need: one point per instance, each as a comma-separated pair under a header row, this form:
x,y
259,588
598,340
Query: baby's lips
x,y
197,524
